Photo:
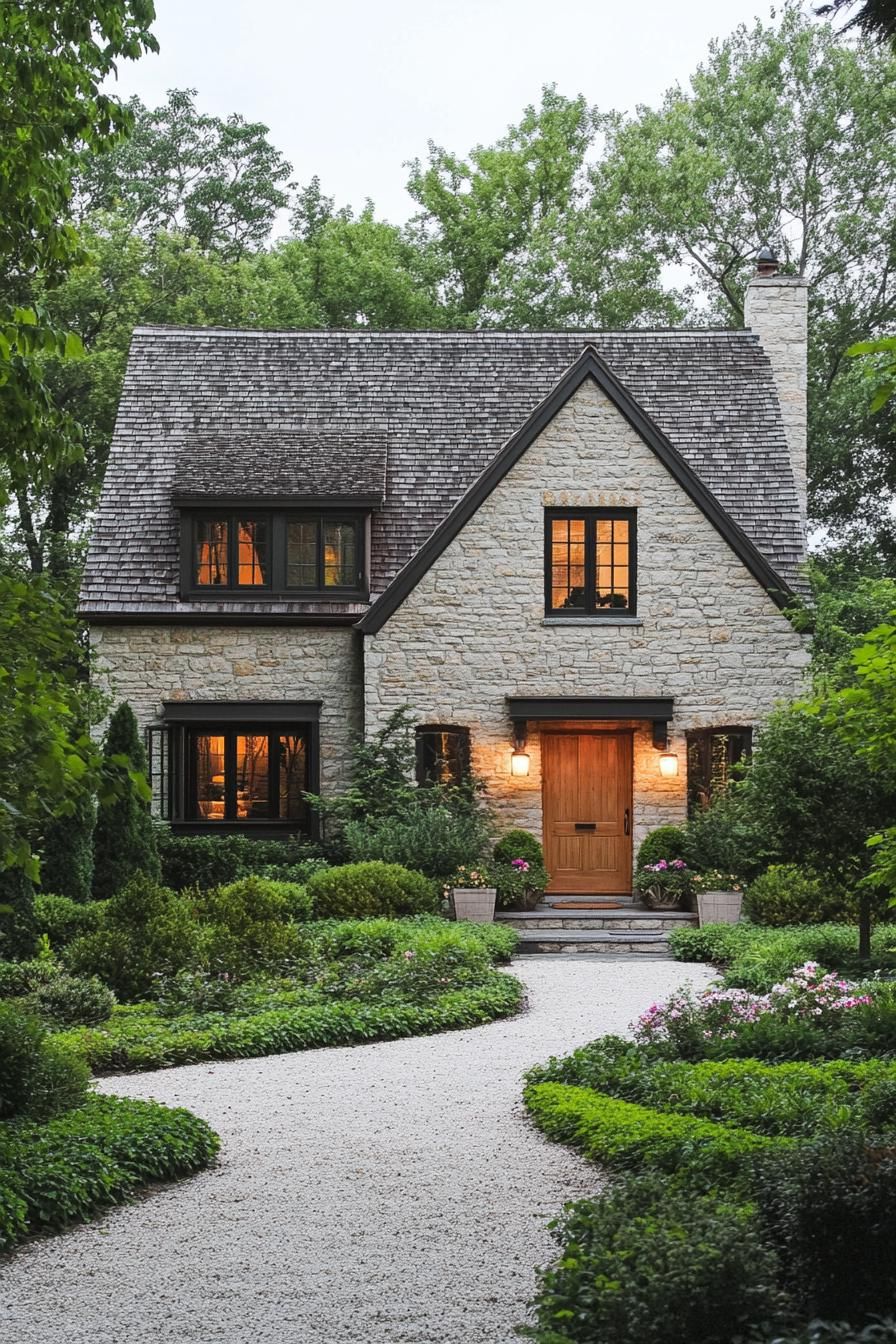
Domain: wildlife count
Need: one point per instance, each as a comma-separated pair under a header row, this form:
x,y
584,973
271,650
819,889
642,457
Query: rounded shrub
x,y
361,890
666,842
788,894
38,1076
73,1000
62,919
20,977
249,924
518,845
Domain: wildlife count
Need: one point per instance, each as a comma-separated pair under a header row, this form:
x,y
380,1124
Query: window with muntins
x,y
283,553
590,562
245,774
712,755
443,754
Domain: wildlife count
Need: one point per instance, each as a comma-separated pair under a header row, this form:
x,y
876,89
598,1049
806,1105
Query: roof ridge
x,y
514,333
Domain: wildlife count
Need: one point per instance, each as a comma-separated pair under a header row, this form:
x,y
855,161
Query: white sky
x,y
351,90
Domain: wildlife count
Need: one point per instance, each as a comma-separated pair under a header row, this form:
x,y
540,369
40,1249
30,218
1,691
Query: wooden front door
x,y
587,785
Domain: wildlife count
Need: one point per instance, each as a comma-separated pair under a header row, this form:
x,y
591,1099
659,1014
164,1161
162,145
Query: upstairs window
x,y
443,755
590,562
712,755
283,553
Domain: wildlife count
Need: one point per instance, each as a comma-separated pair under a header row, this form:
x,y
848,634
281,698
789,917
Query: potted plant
x,y
520,883
720,897
472,895
665,885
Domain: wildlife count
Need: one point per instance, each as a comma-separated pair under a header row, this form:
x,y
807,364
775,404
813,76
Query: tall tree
x,y
218,180
785,134
124,843
873,18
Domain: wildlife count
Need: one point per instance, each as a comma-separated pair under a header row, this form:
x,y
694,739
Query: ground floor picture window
x,y
712,755
443,754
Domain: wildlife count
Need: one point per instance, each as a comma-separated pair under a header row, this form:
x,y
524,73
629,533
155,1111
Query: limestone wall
x,y
474,630
149,664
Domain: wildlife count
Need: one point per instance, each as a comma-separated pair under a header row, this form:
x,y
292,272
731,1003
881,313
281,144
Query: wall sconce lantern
x,y
668,765
519,757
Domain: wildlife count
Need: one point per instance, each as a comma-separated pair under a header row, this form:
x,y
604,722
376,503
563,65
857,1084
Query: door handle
x,y
586,825
626,823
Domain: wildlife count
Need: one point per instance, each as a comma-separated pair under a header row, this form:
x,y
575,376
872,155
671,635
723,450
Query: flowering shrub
x,y
665,882
715,880
519,882
716,1014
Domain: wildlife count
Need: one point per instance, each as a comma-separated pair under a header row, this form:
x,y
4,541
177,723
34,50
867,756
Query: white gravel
x,y
385,1194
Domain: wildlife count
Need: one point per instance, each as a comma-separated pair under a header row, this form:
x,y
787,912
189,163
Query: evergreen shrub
x,y
66,863
666,842
39,1076
787,894
435,840
73,1000
359,890
124,843
518,845
61,918
18,925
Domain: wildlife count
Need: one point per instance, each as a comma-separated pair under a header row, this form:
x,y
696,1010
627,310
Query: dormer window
x,y
283,552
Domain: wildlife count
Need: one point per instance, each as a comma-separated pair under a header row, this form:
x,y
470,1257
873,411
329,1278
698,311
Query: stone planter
x,y
476,904
662,898
719,907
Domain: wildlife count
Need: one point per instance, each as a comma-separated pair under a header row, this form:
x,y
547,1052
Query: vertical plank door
x,y
587,798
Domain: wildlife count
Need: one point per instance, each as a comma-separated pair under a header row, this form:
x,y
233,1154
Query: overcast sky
x,y
351,90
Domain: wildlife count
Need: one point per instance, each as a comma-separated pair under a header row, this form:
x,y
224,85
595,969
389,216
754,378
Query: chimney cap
x,y
766,261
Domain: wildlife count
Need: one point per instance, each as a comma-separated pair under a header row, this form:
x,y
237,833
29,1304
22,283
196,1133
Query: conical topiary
x,y
18,928
123,842
66,864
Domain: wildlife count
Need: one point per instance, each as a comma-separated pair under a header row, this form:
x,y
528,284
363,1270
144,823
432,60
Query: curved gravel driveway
x,y
386,1194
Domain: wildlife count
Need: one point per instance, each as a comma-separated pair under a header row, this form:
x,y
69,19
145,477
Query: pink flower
x,y
409,955
520,865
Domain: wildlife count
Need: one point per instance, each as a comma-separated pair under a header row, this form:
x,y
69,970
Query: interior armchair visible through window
x,y
590,562
245,775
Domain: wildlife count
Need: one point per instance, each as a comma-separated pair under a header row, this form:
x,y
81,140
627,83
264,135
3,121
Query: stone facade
x,y
776,308
474,631
149,664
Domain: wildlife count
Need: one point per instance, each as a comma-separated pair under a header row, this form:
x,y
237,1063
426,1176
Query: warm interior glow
x,y
668,765
519,763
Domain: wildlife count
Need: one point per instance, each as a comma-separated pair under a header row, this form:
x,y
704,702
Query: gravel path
x,y
386,1194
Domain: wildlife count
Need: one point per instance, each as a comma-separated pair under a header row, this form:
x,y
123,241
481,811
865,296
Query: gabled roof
x,y
283,466
589,366
444,404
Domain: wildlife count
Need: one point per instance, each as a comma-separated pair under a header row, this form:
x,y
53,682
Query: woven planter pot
x,y
477,904
661,898
719,907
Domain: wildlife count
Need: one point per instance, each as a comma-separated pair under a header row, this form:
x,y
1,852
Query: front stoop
x,y
630,929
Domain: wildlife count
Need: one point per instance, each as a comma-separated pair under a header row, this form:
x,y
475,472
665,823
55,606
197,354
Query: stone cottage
x,y
568,553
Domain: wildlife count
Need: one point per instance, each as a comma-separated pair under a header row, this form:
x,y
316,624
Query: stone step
x,y
543,918
565,941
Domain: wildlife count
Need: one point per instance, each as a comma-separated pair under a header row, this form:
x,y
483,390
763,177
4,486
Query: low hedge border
x,y
629,1137
90,1158
279,1031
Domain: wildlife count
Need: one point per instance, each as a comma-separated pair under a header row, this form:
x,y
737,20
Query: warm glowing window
x,y
590,560
224,547
323,553
279,551
713,754
443,754
245,775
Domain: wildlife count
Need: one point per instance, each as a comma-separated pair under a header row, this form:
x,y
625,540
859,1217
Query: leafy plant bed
x,y
755,957
777,1180
89,1158
356,981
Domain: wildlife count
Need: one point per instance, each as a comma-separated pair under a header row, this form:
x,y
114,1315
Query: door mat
x,y
586,905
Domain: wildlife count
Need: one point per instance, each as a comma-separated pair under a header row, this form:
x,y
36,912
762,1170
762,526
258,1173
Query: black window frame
x,y
277,521
702,786
426,759
591,517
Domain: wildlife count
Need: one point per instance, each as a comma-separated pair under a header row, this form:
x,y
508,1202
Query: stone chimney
x,y
776,308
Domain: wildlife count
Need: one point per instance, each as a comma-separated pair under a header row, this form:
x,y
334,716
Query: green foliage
x,y
18,926
249,925
757,958
436,840
628,1137
39,1077
95,1156
829,1210
721,837
650,1265
20,977
145,930
66,860
124,842
666,842
206,861
72,1000
357,890
787,894
62,919
518,845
